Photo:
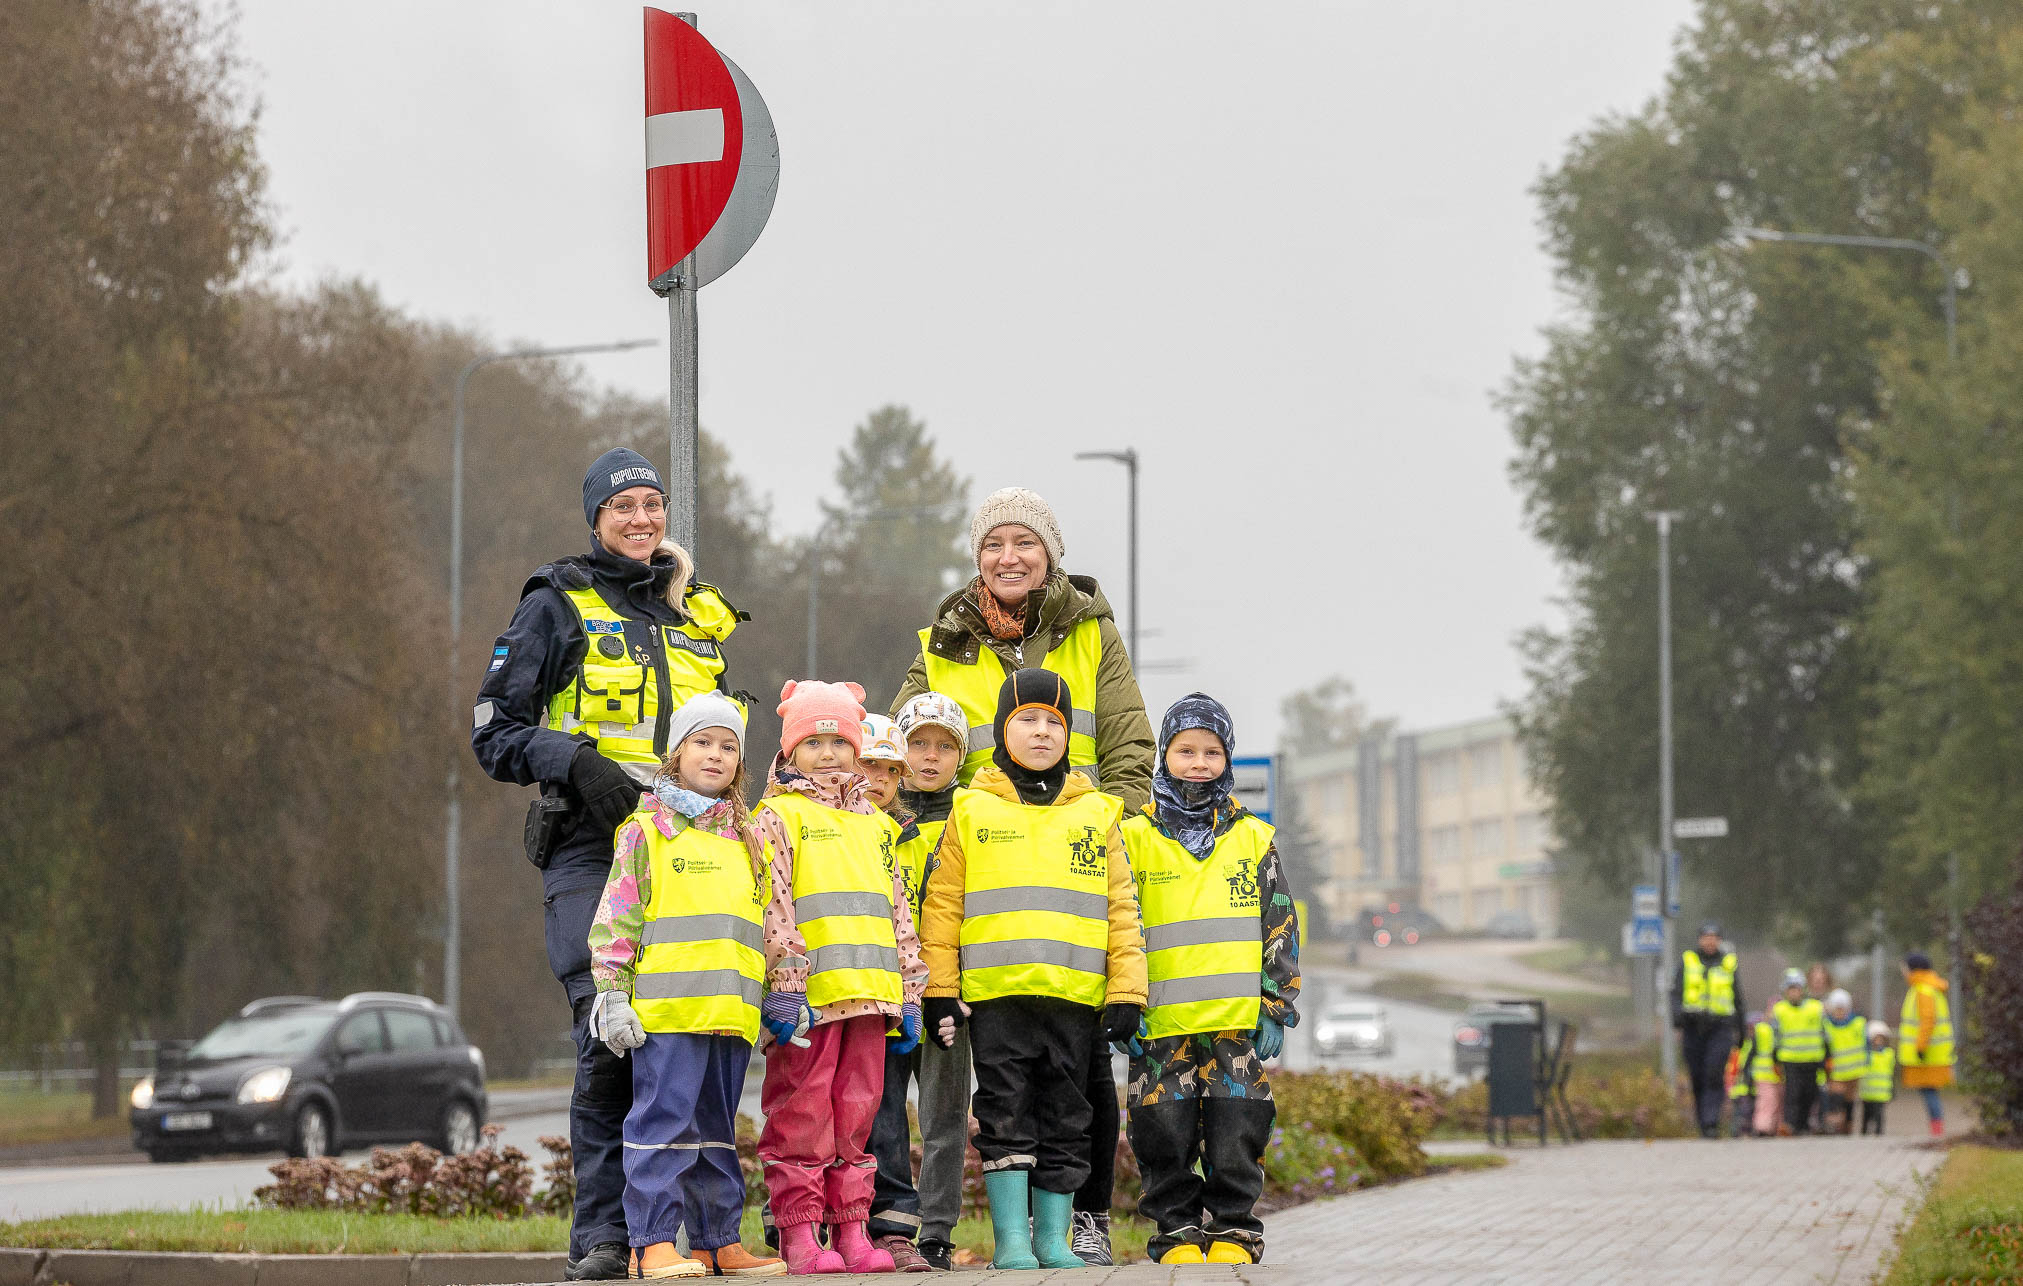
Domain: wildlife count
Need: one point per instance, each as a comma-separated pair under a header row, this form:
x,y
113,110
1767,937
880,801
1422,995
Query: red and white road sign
x,y
712,157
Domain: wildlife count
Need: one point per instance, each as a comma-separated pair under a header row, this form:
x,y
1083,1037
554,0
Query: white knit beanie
x,y
1027,509
706,710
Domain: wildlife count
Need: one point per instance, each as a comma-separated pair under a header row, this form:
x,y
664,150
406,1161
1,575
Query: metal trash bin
x,y
1513,1073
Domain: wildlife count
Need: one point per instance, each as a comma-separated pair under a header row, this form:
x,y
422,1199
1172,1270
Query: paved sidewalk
x,y
1735,1212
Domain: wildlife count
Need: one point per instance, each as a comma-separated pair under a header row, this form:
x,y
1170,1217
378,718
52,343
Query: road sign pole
x,y
684,416
1667,1057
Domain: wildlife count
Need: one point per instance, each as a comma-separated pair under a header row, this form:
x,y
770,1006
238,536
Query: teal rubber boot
x,y
1053,1214
1011,1219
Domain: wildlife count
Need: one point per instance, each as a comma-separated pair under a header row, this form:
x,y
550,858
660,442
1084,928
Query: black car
x,y
314,1077
1471,1034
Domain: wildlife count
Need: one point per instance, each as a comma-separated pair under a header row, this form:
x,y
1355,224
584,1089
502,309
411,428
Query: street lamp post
x,y
1128,457
1667,1058
453,910
1925,248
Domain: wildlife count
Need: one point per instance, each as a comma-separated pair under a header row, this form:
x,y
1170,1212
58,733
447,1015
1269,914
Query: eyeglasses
x,y
654,506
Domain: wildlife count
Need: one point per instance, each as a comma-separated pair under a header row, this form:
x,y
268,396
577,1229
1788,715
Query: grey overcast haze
x,y
1286,251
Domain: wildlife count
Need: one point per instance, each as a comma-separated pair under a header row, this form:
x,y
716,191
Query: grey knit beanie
x,y
706,710
1026,508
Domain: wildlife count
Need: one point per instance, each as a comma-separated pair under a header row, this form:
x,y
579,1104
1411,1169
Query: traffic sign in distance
x,y
1700,828
1644,902
712,156
1646,936
1253,779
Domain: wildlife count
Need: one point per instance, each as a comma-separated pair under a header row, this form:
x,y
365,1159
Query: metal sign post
x,y
1668,1064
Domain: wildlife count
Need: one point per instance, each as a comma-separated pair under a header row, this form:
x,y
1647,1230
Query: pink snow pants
x,y
819,1103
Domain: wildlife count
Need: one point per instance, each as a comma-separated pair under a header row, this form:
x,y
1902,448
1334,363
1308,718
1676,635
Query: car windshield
x,y
292,1031
1354,1014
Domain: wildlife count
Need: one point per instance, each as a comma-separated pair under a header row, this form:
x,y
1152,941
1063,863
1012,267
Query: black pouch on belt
x,y
547,822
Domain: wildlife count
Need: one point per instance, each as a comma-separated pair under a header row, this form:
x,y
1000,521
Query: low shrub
x,y
1381,1119
491,1182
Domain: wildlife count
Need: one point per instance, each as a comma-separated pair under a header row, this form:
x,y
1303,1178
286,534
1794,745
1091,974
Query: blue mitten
x,y
1269,1037
908,1038
786,1015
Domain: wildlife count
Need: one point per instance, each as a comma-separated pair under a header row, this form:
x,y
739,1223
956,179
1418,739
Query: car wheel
x,y
460,1128
312,1136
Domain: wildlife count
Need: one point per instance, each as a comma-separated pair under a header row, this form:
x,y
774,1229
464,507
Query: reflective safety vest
x,y
1939,1051
1204,940
975,686
913,857
1763,1054
1801,1030
1846,1048
616,695
1879,1078
842,888
1035,896
1707,991
702,962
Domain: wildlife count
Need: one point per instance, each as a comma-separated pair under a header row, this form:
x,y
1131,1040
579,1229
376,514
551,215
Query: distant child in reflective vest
x,y
1879,1080
1031,935
844,974
1736,1079
1800,1023
1766,1086
675,952
1846,1060
1222,963
895,1202
936,732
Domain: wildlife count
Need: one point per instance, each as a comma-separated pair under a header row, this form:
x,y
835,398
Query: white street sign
x,y
1700,828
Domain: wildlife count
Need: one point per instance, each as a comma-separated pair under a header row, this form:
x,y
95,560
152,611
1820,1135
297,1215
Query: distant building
x,y
1446,819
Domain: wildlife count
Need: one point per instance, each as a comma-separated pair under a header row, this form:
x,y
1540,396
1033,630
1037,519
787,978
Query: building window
x,y
1532,833
1443,843
1485,766
1485,839
1443,774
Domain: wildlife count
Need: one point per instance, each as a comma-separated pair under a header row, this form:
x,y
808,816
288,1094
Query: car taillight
x,y
1383,938
1411,937
1467,1035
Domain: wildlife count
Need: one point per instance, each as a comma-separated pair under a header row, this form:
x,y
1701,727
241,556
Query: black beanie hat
x,y
1033,687
1917,960
619,469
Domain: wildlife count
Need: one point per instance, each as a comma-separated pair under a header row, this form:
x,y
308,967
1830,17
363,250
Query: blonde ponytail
x,y
684,576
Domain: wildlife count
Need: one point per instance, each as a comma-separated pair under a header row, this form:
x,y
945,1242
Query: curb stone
x,y
29,1267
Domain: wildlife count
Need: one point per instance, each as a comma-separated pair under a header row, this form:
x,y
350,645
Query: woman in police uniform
x,y
577,698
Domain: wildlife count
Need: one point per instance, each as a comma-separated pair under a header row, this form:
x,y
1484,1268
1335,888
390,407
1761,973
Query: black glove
x,y
608,795
933,1010
1120,1022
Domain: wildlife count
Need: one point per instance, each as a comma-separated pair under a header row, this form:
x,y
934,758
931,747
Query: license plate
x,y
187,1121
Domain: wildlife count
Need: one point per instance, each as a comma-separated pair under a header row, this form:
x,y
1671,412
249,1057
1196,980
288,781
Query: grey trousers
x,y
944,1079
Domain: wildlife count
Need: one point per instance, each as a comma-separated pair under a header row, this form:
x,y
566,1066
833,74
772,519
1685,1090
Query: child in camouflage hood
x,y
1217,910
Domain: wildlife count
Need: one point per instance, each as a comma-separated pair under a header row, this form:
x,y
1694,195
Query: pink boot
x,y
859,1255
804,1254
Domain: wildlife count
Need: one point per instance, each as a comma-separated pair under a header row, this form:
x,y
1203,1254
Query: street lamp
x,y
453,928
1924,248
1128,457
1667,1064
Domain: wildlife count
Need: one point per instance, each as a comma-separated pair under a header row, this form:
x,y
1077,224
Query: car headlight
x,y
265,1086
143,1095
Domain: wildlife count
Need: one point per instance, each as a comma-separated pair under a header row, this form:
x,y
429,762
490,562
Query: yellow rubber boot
x,y
1185,1253
1227,1252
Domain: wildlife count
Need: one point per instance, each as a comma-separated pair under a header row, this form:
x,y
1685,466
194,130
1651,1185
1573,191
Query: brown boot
x,y
661,1259
735,1261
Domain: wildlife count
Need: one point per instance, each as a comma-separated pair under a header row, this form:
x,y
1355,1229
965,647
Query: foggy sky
x,y
1286,251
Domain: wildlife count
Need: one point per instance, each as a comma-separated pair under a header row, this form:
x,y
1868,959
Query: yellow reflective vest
x,y
1035,896
1707,991
626,688
1204,938
1939,1051
1846,1048
974,687
1801,1030
1763,1054
702,962
1879,1078
843,863
913,858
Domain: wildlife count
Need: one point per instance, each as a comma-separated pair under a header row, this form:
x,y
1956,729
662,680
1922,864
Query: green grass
x,y
1467,1161
1970,1228
28,1117
285,1232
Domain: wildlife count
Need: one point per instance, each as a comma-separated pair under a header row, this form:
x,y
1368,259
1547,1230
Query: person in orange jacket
x,y
1925,1037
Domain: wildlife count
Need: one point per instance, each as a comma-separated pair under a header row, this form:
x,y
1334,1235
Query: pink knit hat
x,y
810,707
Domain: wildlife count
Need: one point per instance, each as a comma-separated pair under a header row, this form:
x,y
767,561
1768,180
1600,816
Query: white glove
x,y
614,1022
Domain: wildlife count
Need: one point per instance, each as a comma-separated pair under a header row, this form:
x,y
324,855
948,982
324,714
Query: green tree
x,y
1325,717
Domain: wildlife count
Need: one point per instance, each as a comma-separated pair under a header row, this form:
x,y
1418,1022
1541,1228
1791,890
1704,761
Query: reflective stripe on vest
x,y
616,700
1763,1054
1204,939
843,899
701,964
1036,896
1801,1030
1879,1080
1846,1048
1939,1051
975,686
1707,991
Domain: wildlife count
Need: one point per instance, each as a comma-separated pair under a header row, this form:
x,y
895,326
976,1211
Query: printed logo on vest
x,y
1242,885
677,863
885,853
1003,835
819,833
1089,854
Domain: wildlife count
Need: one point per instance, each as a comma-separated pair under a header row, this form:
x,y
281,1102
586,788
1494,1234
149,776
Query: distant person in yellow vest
x,y
675,951
1879,1078
577,698
844,973
1741,1077
1846,1060
1799,1021
1765,1081
1031,936
1222,961
1707,1013
1024,610
1925,1037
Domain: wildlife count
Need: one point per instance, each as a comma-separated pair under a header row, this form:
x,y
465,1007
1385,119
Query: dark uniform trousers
x,y
1105,1124
1704,1045
895,1202
1032,1073
602,1096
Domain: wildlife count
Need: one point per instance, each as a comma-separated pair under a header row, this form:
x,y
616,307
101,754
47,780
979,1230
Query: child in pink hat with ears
x,y
843,974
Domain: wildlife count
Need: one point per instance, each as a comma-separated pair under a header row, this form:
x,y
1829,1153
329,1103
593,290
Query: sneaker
x,y
940,1255
1090,1238
906,1258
